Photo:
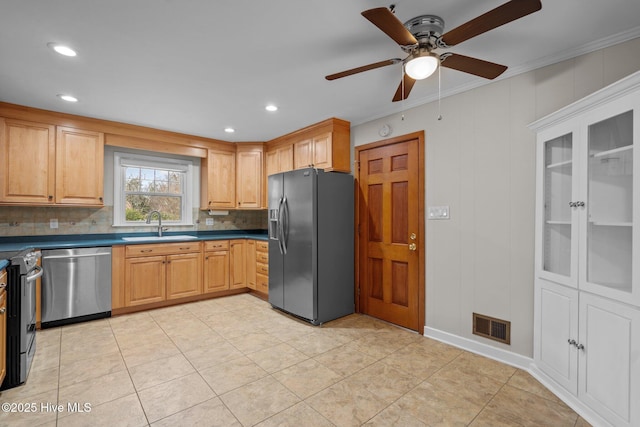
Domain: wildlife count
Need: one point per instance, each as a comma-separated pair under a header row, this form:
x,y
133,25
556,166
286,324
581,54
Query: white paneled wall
x,y
480,160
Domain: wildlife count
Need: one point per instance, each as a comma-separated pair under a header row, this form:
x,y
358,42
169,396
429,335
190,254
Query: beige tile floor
x,y
235,361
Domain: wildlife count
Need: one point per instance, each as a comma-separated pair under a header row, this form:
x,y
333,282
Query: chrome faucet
x,y
159,221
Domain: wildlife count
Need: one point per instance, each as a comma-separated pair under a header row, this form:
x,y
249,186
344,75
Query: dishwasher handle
x,y
75,256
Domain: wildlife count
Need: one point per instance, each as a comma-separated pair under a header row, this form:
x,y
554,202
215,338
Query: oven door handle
x,y
34,276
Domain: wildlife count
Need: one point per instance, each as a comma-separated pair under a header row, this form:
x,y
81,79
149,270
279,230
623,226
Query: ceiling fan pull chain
x,y
439,95
402,84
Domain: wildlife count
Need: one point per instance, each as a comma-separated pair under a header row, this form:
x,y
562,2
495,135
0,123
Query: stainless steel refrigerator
x,y
311,240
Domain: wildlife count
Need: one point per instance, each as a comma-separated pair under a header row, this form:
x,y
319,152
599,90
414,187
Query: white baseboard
x,y
491,352
521,362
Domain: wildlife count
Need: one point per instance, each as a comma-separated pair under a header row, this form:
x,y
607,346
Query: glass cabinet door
x,y
557,221
609,204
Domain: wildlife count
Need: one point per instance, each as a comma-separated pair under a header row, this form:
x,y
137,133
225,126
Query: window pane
x,y
138,207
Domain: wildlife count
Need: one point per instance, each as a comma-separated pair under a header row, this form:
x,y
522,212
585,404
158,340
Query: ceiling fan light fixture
x,y
422,65
62,50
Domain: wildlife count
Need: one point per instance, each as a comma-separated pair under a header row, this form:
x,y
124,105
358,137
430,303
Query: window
x,y
145,183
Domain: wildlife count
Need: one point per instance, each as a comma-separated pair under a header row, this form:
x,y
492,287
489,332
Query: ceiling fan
x,y
420,36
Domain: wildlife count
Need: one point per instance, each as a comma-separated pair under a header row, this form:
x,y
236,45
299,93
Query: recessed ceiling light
x,y
68,98
271,107
62,50
229,130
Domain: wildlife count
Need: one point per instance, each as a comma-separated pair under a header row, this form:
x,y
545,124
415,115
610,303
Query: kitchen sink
x,y
158,238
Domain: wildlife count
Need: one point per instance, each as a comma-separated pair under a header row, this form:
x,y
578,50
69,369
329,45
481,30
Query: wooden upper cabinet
x,y
314,152
27,153
249,177
279,159
218,180
325,145
79,167
303,154
42,166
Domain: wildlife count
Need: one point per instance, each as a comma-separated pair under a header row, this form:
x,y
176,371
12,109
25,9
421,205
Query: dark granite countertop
x,y
19,243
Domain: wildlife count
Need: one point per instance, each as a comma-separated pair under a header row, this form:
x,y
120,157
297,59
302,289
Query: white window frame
x,y
122,160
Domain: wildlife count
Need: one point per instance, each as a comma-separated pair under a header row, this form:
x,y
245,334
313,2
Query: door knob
x,y
412,246
413,236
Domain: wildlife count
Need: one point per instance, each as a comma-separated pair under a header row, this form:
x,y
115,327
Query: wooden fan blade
x,y
361,69
384,19
478,67
501,15
408,85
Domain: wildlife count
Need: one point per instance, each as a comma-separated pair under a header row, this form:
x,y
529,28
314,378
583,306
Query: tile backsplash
x,y
35,221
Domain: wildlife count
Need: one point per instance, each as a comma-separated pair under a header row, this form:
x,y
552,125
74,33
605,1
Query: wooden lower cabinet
x,y
3,325
152,274
184,275
237,276
216,266
155,273
262,266
145,280
251,263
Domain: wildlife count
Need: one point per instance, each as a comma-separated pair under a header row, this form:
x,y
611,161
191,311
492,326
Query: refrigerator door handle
x,y
279,229
285,225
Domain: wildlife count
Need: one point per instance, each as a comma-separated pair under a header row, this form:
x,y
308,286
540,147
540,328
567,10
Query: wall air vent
x,y
492,328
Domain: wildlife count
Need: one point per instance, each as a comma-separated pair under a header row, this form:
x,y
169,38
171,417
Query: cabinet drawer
x,y
262,257
216,245
262,268
262,283
262,246
163,249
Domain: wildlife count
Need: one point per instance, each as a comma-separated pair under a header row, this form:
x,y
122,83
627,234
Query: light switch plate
x,y
53,223
438,212
209,221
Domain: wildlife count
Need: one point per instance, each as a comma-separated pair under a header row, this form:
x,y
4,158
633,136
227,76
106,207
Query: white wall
x,y
480,160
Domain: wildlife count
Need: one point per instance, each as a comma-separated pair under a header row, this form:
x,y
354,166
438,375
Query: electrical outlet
x,y
209,221
53,223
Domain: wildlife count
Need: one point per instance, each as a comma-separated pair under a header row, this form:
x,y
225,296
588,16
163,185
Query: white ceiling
x,y
198,66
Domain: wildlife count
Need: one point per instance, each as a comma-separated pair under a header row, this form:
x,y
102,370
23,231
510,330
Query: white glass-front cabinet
x,y
587,290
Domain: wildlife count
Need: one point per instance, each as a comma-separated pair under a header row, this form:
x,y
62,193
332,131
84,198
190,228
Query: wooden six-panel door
x,y
390,234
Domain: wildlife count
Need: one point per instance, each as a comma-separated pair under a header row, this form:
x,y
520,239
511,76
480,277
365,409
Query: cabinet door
x,y
558,217
220,180
556,321
249,179
79,167
608,232
184,275
216,271
27,153
609,362
251,263
303,154
272,165
285,158
322,155
145,280
3,327
237,263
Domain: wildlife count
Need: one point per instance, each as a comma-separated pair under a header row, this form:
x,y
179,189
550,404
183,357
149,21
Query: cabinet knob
x,y
50,197
100,198
2,310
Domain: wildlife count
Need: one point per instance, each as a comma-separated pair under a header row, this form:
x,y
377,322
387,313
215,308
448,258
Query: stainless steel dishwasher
x,y
76,285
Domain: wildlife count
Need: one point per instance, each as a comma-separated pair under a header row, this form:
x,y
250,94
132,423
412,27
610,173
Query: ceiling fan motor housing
x,y
426,29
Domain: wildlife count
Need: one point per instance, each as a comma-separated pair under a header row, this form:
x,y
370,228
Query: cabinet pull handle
x,y
572,342
146,250
580,204
572,204
2,310
3,285
580,347
185,249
